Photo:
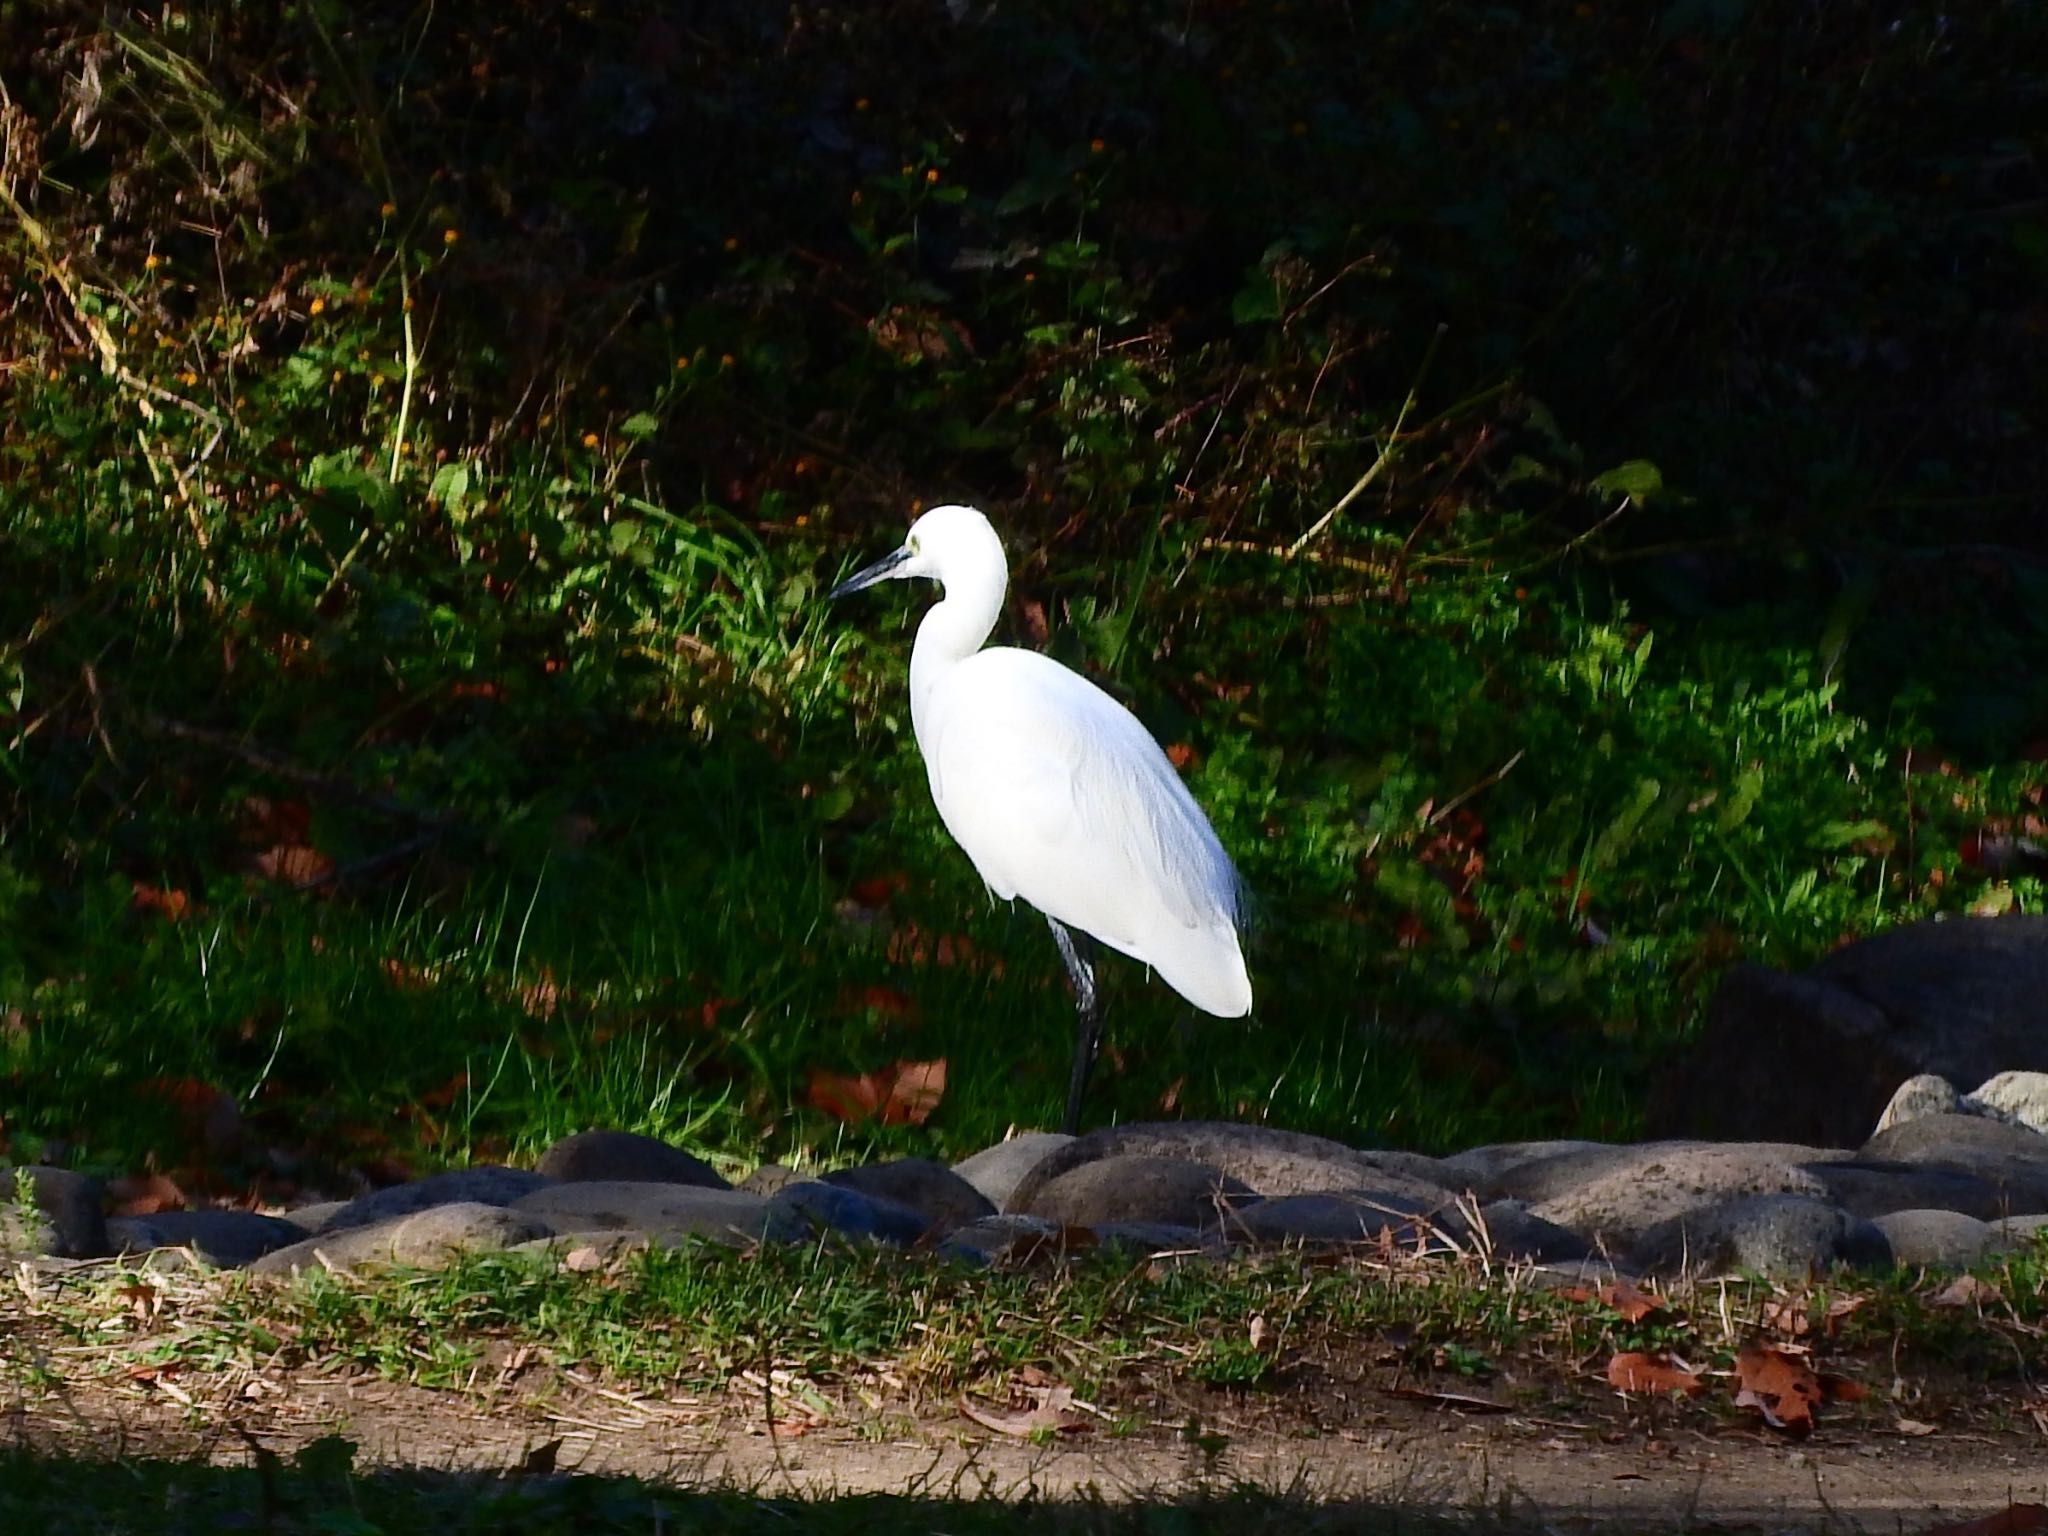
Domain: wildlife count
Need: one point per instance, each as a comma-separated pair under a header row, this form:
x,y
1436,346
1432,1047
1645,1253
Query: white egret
x,y
1057,793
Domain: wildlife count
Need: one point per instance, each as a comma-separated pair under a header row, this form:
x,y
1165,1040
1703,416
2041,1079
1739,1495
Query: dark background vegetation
x,y
1563,480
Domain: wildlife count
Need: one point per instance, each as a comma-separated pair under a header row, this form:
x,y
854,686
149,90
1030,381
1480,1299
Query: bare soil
x,y
1631,1468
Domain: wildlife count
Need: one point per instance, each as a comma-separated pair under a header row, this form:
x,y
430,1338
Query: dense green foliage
x,y
1562,482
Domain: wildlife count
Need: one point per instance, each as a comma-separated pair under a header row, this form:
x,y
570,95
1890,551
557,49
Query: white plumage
x,y
1056,792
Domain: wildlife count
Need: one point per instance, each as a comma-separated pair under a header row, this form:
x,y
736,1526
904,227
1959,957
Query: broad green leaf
x,y
1742,799
1638,480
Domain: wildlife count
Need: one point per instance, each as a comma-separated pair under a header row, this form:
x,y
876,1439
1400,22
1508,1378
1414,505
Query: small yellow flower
x,y
188,378
318,306
388,209
1030,277
931,175
151,262
732,242
860,104
682,362
1096,146
450,236
590,439
725,359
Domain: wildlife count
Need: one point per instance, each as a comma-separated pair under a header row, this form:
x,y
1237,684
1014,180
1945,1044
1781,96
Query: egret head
x,y
944,544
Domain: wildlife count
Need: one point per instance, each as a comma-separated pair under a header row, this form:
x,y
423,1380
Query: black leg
x,y
1088,1036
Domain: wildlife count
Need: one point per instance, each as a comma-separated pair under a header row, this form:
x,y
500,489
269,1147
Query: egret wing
x,y
1060,796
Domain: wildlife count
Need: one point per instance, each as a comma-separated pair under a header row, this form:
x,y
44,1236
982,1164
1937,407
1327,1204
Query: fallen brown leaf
x,y
1634,1305
293,864
1646,1373
903,1094
145,1195
1964,1291
1050,1411
171,904
1780,1385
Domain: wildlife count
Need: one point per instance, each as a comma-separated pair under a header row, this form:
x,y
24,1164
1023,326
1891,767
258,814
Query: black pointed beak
x,y
881,570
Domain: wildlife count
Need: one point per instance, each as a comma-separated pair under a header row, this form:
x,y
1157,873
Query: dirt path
x,y
1551,1474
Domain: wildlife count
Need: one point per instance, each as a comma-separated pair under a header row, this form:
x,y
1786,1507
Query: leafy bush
x,y
1554,484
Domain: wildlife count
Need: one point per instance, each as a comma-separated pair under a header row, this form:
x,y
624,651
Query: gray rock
x,y
1006,1239
1917,1097
1509,1231
314,1217
772,1178
1535,1179
1873,1189
224,1239
1784,1236
1132,1188
2018,1231
1945,1238
50,1212
1574,1274
1268,1161
425,1239
938,1194
1817,1056
486,1184
1619,1204
1355,1216
812,1207
669,1210
133,1234
996,1171
625,1157
2019,1098
593,1250
344,1250
2010,1156
430,1238
1481,1170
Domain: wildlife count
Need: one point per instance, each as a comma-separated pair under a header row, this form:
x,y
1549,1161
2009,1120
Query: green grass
x,y
693,1318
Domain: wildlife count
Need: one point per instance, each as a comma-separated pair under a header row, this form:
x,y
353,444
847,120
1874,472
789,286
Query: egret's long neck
x,y
955,626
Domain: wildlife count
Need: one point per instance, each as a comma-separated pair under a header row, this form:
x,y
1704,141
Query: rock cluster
x,y
1937,1185
1958,998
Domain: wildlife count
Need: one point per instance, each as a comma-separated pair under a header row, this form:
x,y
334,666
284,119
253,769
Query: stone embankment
x,y
1946,1179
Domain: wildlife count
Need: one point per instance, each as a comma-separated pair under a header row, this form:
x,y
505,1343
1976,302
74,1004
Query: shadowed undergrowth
x,y
1515,494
